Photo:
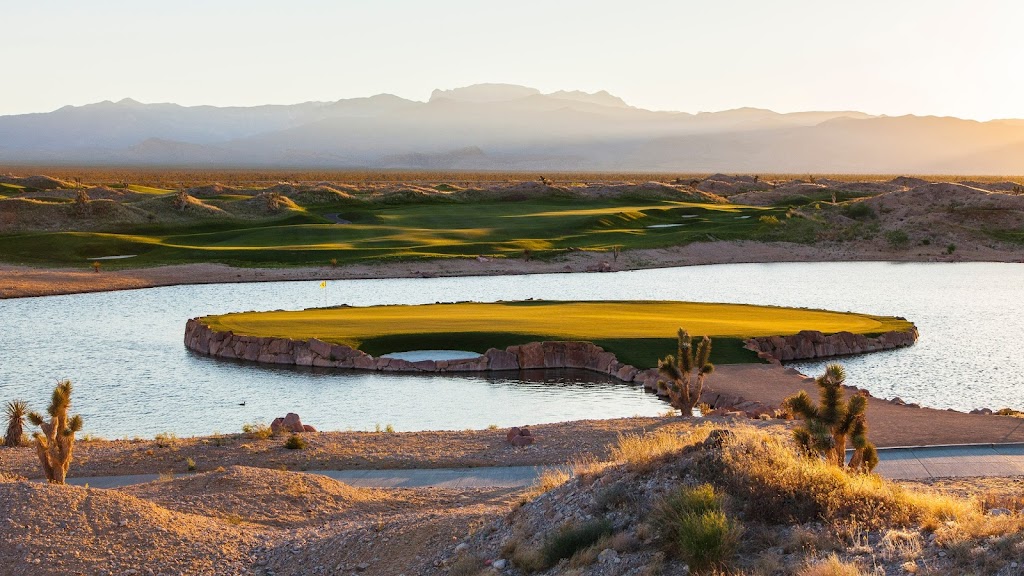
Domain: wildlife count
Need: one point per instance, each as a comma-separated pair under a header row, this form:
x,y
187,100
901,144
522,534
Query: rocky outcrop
x,y
809,344
203,340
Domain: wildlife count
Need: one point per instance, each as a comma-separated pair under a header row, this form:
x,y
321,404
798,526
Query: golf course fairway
x,y
638,332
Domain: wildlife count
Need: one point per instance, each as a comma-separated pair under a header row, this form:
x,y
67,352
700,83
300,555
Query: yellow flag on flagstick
x,y
323,284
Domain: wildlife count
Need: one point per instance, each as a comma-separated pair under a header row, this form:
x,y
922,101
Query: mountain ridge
x,y
513,128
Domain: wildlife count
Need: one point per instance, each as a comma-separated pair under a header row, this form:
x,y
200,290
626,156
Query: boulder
x,y
320,348
501,360
529,355
519,437
520,441
290,423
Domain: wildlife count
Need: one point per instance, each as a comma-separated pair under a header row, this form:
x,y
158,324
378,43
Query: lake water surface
x,y
133,375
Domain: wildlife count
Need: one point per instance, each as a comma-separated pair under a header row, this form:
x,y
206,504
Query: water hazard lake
x,y
133,376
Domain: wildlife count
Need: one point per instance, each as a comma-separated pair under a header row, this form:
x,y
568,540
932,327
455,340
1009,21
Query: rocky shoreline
x,y
807,344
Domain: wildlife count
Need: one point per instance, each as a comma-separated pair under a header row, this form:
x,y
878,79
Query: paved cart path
x,y
910,463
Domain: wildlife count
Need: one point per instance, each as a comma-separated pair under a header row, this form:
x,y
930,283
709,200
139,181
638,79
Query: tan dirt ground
x,y
21,281
237,521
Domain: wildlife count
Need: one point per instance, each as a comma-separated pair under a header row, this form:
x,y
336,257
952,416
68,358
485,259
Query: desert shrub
x,y
859,211
613,496
694,526
15,413
295,442
257,430
773,483
897,238
467,565
951,248
165,439
572,538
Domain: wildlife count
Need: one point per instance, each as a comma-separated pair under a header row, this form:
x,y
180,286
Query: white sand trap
x,y
664,225
742,217
121,257
417,355
690,216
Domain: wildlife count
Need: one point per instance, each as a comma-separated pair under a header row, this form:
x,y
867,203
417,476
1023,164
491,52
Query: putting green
x,y
636,331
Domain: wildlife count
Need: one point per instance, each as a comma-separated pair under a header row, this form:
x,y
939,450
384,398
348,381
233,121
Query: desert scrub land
x,y
720,498
637,332
332,219
737,501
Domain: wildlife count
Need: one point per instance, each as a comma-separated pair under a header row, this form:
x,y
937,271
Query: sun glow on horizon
x,y
944,58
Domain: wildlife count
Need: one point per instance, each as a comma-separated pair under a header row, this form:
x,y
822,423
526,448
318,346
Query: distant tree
x,y
15,413
831,423
685,372
55,445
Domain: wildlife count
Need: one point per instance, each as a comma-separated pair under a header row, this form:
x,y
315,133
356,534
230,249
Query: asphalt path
x,y
903,463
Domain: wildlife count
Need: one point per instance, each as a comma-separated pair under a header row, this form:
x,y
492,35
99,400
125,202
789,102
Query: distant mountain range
x,y
507,127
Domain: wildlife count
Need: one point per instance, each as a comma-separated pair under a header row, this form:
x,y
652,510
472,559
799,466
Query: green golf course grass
x,y
638,332
538,228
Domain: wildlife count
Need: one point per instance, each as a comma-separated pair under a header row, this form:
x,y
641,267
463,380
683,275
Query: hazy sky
x,y
943,57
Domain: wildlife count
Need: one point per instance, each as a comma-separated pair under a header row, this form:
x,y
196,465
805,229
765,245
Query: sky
x,y
928,57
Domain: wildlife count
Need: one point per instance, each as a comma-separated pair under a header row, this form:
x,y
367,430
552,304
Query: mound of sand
x,y
21,214
948,211
215,189
768,197
1007,186
652,191
51,529
908,181
94,193
320,195
37,182
171,207
725,185
256,495
261,205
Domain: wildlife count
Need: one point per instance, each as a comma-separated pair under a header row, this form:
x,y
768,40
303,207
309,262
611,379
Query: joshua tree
x,y
829,424
685,372
56,443
15,422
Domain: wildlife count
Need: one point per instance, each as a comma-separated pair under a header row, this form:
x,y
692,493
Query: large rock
x,y
529,355
290,423
501,360
519,437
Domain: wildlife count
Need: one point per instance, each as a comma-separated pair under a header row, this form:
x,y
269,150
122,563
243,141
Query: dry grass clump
x,y
832,566
775,484
693,524
548,480
642,452
257,431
